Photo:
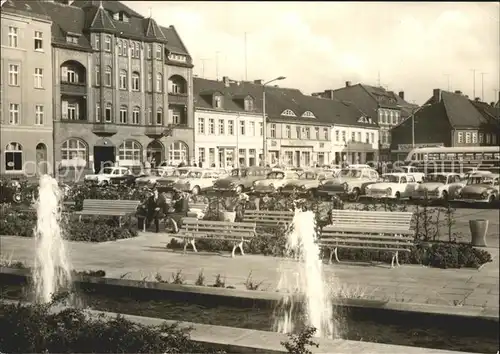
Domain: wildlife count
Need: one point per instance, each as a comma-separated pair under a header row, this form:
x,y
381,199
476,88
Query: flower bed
x,y
90,229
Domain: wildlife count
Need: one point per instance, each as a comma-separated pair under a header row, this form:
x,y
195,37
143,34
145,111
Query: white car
x,y
393,186
480,188
103,177
410,170
439,186
274,181
197,180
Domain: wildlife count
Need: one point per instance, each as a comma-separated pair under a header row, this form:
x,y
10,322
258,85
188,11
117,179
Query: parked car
x,y
274,181
480,188
150,180
129,178
410,170
307,183
197,181
438,186
10,191
168,182
350,183
104,176
241,179
393,186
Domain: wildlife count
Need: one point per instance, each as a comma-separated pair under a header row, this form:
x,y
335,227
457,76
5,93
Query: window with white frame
x,y
125,48
242,127
308,133
72,111
107,43
316,133
38,41
337,135
178,152
97,75
230,127
123,80
136,115
159,82
218,101
158,52
373,137
97,41
123,115
460,137
149,50
13,37
248,104
201,155
288,132
273,130
136,82
38,78
353,136
251,128
468,137
474,138
481,138
343,136
359,137
39,114
98,112
69,74
14,157
74,153
108,76
108,113
201,125
325,133
261,129
222,127
367,138
211,126
298,131
14,113
288,113
137,50
129,153
13,75
159,116
176,116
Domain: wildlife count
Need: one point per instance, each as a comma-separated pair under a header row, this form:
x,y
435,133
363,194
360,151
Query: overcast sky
x,y
320,45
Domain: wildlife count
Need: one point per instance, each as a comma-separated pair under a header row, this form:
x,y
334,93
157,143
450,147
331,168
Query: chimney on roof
x,y
347,83
401,94
436,93
477,99
257,82
492,104
225,80
458,92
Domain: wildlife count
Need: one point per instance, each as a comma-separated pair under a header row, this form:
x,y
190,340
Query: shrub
x,y
37,328
298,343
91,229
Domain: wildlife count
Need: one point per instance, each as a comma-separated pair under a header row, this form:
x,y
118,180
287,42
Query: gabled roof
x,y
278,100
152,31
101,22
489,112
22,7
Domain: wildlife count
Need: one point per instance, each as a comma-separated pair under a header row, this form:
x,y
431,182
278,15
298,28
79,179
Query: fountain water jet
x,y
52,269
302,281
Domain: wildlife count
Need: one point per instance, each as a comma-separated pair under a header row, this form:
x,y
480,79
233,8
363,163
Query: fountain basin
x,y
369,320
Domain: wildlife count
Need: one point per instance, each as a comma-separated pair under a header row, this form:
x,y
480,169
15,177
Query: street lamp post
x,y
264,128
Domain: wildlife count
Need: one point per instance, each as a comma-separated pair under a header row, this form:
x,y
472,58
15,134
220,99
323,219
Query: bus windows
x,y
451,156
479,155
468,156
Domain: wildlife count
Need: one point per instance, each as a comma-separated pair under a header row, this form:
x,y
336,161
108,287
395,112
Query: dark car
x,y
128,179
241,179
10,192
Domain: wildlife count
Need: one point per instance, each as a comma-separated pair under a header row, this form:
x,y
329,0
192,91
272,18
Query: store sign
x,y
409,147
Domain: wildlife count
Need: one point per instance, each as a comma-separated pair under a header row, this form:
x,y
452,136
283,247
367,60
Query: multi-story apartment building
x,y
122,87
26,90
384,107
228,125
447,119
355,141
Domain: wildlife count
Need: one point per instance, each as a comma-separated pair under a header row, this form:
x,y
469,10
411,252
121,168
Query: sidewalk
x,y
146,255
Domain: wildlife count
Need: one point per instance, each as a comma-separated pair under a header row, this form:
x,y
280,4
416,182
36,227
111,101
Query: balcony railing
x,y
69,88
104,129
178,98
156,131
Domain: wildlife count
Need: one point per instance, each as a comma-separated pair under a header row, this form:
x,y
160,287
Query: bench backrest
x,y
129,206
268,216
217,227
372,219
199,206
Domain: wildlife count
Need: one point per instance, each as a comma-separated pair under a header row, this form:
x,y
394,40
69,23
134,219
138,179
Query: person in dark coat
x,y
180,208
156,209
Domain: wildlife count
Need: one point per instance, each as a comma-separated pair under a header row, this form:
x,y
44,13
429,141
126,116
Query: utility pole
x,y
482,86
448,81
473,83
378,79
203,60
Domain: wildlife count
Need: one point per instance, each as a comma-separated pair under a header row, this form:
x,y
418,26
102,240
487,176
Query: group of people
x,y
157,207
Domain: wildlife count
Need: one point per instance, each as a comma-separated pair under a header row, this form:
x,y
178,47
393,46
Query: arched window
x,y
178,152
107,76
308,114
13,157
136,81
129,153
123,79
159,116
288,113
74,152
159,82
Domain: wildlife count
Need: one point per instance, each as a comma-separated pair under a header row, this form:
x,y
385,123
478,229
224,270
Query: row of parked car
x,y
352,182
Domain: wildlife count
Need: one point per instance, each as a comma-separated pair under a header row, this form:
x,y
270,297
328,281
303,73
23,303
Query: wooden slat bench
x,y
268,218
237,232
381,232
196,206
118,208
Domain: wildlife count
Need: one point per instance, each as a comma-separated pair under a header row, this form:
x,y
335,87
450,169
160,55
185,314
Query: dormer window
x,y
288,113
218,102
370,121
248,104
362,120
122,16
177,57
72,39
308,114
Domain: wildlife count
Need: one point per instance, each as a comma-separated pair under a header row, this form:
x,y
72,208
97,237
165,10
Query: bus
x,y
454,159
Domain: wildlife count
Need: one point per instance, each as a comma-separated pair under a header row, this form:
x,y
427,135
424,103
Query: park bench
x,y
268,218
237,232
118,208
380,231
196,206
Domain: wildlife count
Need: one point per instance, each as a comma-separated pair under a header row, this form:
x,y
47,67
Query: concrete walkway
x,y
145,256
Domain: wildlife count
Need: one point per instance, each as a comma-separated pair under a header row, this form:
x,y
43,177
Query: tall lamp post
x,y
264,130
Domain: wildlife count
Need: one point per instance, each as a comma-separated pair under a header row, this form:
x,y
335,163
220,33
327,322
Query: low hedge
x,y
90,229
37,328
437,255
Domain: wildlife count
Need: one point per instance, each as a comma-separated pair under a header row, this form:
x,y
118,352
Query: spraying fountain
x,y
306,299
52,270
